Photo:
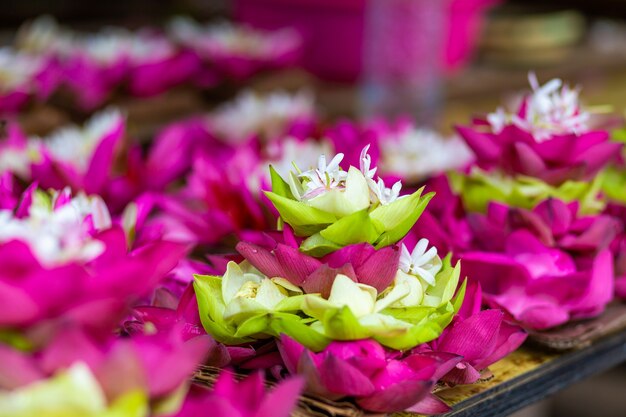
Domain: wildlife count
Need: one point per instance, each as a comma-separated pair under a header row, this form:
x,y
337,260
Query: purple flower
x,y
364,371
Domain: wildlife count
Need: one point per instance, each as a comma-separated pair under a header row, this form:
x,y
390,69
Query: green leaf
x,y
304,219
279,185
399,217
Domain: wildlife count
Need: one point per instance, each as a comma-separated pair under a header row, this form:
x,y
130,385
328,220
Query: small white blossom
x,y
422,262
383,194
324,177
551,109
379,193
366,162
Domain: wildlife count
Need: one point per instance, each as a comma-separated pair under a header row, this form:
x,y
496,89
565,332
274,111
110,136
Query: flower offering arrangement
x,y
366,262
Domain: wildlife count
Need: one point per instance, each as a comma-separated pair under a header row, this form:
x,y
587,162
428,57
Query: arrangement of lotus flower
x,y
368,262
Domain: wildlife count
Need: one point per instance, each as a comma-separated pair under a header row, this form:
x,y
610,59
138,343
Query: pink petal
x,y
397,397
340,377
283,398
321,280
263,260
473,338
429,405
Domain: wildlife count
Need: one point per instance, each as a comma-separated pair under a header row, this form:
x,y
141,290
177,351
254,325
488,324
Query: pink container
x,y
333,31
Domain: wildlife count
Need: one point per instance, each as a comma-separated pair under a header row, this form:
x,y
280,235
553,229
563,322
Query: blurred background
x,y
439,61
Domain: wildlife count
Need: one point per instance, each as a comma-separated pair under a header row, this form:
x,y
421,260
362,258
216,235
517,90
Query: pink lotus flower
x,y
546,266
363,370
64,262
246,398
480,337
81,158
547,137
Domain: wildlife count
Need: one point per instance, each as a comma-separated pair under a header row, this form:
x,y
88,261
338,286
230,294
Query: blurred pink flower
x,y
64,262
245,398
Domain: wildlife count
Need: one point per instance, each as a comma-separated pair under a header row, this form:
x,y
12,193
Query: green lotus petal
x,y
253,326
298,329
241,309
478,189
341,324
293,304
211,309
428,329
316,306
424,332
356,228
457,301
412,315
446,282
304,219
316,245
279,185
399,217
